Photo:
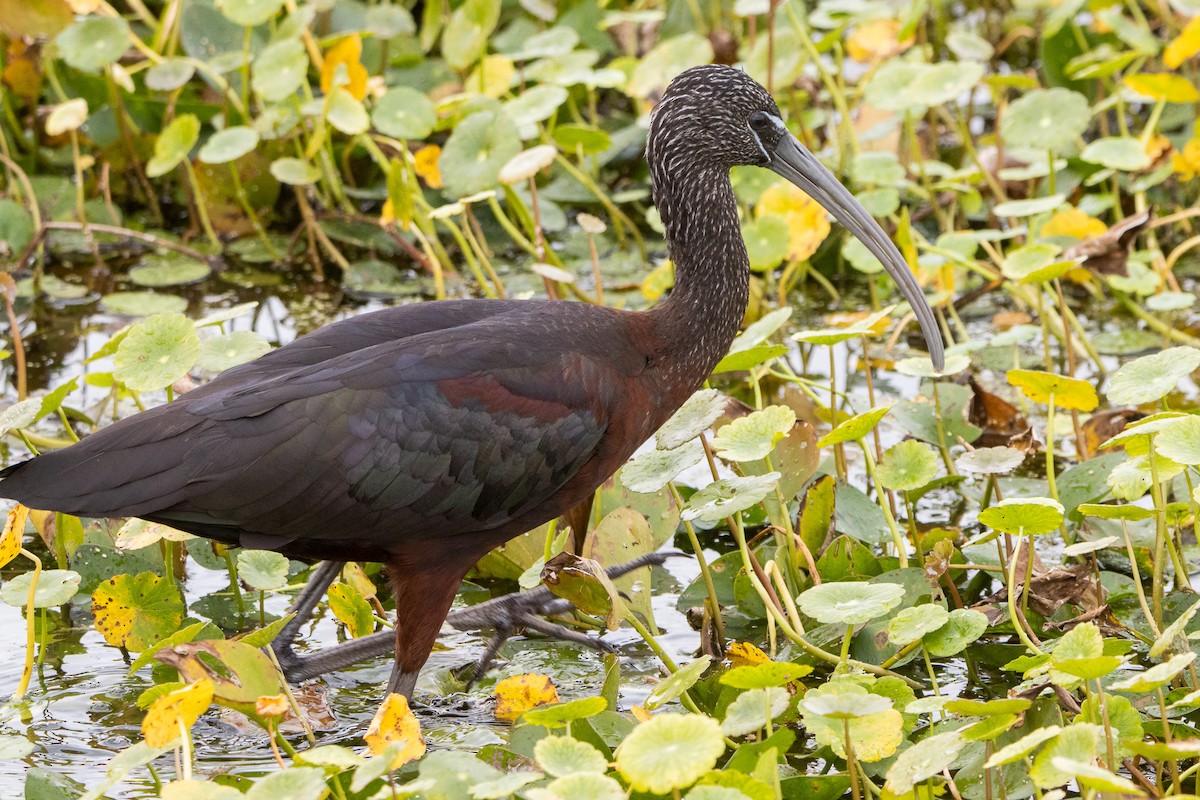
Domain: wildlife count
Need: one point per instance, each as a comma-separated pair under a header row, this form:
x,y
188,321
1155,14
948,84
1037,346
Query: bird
x,y
423,436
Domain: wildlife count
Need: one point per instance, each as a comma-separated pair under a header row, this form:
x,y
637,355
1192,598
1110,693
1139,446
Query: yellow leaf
x,y
518,694
353,574
876,40
1066,392
14,529
395,722
658,281
808,222
1163,86
272,705
176,711
495,79
744,654
343,68
387,214
1183,46
1186,162
425,163
1073,222
640,714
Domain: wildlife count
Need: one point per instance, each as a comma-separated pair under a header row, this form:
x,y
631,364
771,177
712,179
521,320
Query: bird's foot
x,y
527,610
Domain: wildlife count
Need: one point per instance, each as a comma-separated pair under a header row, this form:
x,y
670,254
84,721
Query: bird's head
x,y
714,117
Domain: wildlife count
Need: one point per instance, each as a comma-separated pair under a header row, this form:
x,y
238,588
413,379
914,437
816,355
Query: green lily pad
x,y
1067,392
830,336
156,352
1141,280
21,414
651,471
228,145
404,113
535,104
345,113
844,705
1080,653
1029,516
754,436
1180,441
136,611
1149,378
262,570
667,59
922,761
346,603
466,34
1123,511
922,366
219,353
476,151
907,466
888,87
294,783
1168,640
764,676
1022,747
1123,153
1156,677
1035,263
14,747
855,428
670,752
767,240
1095,545
963,628
728,496
939,84
170,269
169,74
294,171
990,460
849,602
911,624
1049,119
693,418
583,139
93,42
1029,208
562,755
54,588
586,786
173,145
249,13
561,714
677,683
1079,742
1094,777
16,227
754,709
279,70
1166,302
143,304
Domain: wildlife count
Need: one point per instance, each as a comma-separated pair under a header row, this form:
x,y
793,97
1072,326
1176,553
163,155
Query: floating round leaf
x,y
1156,677
94,42
1029,208
1066,392
228,145
527,163
1084,547
346,113
536,104
668,58
963,628
907,466
652,470
561,714
1030,516
765,675
136,611
670,752
1049,119
389,21
16,226
844,705
766,241
13,747
169,269
66,116
911,624
219,353
1022,747
752,710
854,428
1123,153
990,460
249,13
294,171
1166,302
754,436
870,325
173,145
925,759
169,74
585,786
728,496
404,113
262,570
922,366
1035,263
143,304
479,146
694,417
562,755
939,84
156,352
1149,378
849,602
54,588
466,34
1180,441
1123,511
280,70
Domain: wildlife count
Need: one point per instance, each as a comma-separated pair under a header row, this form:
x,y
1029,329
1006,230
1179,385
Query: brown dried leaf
x,y
1107,253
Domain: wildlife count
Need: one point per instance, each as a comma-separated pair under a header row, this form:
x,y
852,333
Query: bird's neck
x,y
699,319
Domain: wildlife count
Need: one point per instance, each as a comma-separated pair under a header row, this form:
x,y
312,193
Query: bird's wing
x,y
448,431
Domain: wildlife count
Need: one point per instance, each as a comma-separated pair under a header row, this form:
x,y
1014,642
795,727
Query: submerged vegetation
x,y
969,584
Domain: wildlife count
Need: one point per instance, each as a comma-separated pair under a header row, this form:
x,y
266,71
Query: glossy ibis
x,y
423,436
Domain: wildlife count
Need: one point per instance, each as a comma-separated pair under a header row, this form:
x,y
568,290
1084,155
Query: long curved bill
x,y
791,160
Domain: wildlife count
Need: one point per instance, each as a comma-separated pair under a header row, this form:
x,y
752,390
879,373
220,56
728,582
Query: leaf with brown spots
x,y
10,539
135,611
518,694
176,712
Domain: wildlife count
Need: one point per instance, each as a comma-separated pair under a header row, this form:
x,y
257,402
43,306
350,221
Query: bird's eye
x,y
760,120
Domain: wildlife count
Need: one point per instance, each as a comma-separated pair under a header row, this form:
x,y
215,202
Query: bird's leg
x,y
302,609
510,613
423,598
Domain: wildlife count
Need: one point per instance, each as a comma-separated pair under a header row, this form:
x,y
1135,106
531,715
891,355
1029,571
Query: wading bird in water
x,y
423,436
